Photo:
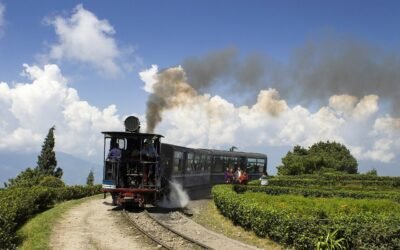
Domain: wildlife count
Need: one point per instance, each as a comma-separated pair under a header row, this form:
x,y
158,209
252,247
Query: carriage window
x,y
260,165
207,163
218,164
197,163
178,162
121,143
252,165
190,163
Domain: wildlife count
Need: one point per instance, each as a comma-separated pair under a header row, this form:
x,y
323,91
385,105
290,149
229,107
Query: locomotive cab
x,y
132,169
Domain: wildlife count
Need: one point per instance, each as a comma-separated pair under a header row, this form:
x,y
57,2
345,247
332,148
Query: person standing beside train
x,y
264,179
238,174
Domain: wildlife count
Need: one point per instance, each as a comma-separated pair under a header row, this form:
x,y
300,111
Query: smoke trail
x,y
319,70
203,73
170,90
313,73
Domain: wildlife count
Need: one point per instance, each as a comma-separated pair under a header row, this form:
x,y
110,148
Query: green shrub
x,y
19,204
52,182
320,192
300,222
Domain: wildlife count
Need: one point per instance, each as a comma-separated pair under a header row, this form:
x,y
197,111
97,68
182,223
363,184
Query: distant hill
x,y
75,169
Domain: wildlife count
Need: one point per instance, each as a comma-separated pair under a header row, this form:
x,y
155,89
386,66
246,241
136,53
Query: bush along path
x,y
18,204
304,223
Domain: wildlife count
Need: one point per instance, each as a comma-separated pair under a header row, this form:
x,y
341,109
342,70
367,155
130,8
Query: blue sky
x,y
166,33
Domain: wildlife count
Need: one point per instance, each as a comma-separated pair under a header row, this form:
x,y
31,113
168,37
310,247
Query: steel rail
x,y
178,233
144,232
158,241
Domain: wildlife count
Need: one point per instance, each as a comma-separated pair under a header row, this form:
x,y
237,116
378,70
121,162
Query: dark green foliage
x,y
27,178
19,204
52,181
90,178
320,192
322,156
300,222
47,161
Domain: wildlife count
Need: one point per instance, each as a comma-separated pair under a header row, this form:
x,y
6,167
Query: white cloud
x,y
28,110
367,106
149,78
85,38
213,122
351,106
381,151
343,104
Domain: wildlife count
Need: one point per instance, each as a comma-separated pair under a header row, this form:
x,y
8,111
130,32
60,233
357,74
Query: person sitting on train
x,y
115,153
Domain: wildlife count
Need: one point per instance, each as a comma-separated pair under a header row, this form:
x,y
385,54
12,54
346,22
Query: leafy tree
x,y
322,156
90,178
47,161
27,178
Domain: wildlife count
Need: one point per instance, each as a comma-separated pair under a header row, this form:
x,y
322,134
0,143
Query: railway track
x,y
160,233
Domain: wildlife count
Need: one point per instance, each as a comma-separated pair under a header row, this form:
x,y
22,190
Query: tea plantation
x,y
19,204
318,211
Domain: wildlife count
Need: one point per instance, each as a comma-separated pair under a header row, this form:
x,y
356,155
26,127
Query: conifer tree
x,y
90,178
47,162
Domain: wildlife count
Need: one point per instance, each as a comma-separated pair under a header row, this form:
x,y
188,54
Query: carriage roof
x,y
121,134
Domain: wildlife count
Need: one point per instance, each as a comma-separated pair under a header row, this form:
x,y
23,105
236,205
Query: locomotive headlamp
x,y
132,124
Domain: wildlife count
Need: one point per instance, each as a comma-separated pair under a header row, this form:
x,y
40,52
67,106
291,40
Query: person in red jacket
x,y
244,178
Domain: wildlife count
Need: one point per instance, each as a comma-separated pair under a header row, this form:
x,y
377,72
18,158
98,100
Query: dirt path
x,y
92,225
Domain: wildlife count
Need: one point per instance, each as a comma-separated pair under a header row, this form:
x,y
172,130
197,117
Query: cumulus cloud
x,y
2,20
187,117
28,110
85,38
352,106
149,77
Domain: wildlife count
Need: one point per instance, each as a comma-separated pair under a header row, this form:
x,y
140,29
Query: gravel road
x,y
93,225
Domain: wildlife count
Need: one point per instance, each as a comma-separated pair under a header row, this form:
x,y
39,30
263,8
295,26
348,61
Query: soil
x,y
94,225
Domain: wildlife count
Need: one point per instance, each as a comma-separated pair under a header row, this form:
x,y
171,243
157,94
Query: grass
x,y
212,219
35,234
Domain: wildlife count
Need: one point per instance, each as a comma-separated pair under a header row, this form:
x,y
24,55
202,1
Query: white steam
x,y
177,198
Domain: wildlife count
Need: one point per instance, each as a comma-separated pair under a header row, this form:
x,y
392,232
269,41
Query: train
x,y
138,167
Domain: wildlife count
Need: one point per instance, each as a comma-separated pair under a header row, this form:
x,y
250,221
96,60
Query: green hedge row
x,y
340,176
299,222
318,192
303,182
19,204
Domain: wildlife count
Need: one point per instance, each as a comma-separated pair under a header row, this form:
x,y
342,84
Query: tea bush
x,y
359,183
299,222
320,192
19,204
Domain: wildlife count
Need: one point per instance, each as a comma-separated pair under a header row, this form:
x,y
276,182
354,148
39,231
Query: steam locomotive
x,y
138,167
